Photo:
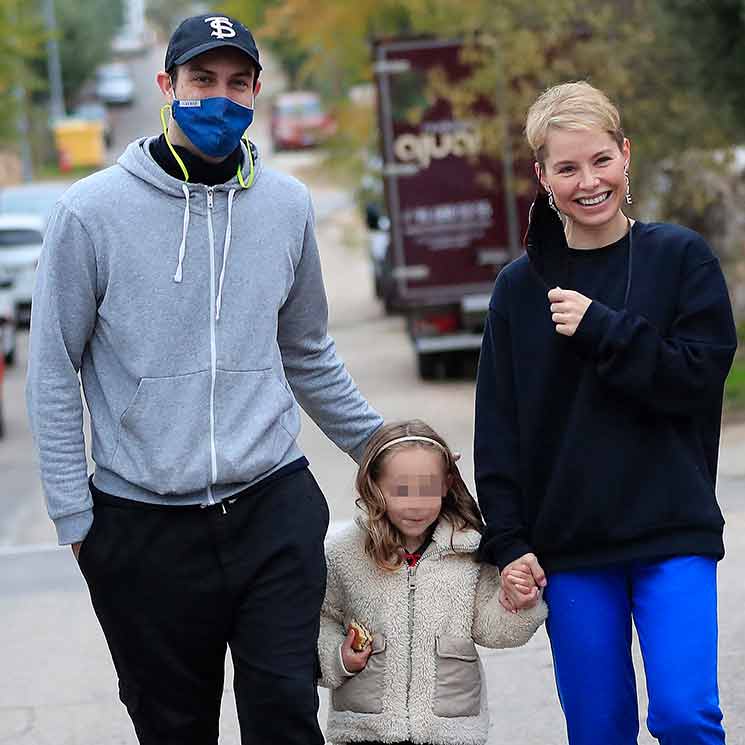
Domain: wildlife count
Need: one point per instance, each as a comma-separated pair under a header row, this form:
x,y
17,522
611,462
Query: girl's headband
x,y
410,438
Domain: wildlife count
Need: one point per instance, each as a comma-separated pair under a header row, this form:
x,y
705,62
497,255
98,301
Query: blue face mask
x,y
213,125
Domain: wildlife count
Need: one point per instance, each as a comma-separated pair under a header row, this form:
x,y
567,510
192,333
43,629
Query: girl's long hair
x,y
383,542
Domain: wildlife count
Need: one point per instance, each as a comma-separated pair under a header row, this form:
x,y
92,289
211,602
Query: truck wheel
x,y
389,307
425,366
378,287
10,357
431,366
453,365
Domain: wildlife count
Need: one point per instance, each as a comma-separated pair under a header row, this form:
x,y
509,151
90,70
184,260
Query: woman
x,y
598,410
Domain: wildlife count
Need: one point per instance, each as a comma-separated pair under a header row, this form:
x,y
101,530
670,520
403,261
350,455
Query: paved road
x,y
57,685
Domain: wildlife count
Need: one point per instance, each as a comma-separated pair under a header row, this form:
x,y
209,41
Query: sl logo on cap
x,y
222,27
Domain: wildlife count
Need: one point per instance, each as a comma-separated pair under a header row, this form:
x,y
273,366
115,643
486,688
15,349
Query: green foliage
x,y
734,390
630,48
85,31
21,40
283,46
716,33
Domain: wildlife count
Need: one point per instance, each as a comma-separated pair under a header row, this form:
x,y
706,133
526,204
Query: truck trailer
x,y
451,222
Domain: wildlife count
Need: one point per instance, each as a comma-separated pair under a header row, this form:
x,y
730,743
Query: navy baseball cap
x,y
199,34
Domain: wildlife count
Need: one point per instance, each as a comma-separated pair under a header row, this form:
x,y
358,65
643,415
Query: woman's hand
x,y
568,308
354,661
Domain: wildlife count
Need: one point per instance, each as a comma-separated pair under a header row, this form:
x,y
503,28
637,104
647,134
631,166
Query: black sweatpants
x,y
174,587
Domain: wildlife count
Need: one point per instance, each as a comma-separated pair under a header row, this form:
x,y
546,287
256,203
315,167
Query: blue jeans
x,y
674,606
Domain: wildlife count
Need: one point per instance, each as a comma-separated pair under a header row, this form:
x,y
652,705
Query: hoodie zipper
x,y
213,345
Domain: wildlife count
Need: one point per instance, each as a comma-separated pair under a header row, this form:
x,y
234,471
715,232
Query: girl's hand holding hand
x,y
518,590
354,661
520,583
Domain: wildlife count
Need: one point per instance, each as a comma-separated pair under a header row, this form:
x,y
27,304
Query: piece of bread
x,y
362,637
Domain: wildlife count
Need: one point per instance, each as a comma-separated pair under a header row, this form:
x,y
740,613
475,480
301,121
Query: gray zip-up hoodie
x,y
197,319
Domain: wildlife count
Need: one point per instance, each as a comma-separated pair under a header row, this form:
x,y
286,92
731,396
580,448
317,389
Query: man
x,y
184,284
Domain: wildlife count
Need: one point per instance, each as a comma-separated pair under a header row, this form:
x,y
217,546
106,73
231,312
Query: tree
x,y
85,31
21,40
627,47
713,32
166,14
284,48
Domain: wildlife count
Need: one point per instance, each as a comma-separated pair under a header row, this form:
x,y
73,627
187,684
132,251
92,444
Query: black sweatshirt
x,y
603,446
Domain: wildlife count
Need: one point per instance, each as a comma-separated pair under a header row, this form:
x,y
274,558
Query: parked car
x,y
299,120
94,111
21,238
129,43
36,198
7,320
2,377
114,84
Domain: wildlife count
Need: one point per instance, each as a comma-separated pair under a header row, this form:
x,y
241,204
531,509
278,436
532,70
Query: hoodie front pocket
x,y
163,443
256,422
363,694
457,678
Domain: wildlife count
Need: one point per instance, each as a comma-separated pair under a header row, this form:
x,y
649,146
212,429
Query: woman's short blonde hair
x,y
576,105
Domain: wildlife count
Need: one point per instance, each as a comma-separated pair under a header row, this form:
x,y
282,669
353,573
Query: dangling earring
x,y
551,202
629,200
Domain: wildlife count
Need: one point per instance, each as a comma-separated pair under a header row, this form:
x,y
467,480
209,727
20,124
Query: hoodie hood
x,y
136,159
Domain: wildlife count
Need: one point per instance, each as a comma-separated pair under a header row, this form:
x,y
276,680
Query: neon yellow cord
x,y
247,185
163,109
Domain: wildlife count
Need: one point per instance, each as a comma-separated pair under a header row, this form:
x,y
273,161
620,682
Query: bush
x,y
705,191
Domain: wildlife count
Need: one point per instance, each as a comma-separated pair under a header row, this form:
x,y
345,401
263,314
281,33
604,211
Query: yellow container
x,y
79,143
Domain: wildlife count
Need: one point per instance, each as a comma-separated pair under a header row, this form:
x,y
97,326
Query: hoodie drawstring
x,y
182,248
226,248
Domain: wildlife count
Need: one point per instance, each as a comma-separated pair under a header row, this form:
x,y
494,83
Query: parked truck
x,y
449,224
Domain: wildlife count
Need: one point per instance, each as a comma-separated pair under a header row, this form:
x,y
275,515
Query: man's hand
x,y
568,308
354,661
522,581
76,549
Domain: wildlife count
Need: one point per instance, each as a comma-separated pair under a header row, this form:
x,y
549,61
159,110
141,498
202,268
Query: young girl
x,y
405,573
598,409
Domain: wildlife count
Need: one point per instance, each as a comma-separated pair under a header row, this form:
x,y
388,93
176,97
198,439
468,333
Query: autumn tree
x,y
627,47
674,67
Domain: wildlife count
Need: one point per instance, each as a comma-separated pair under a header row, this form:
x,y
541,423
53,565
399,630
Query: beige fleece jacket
x,y
423,681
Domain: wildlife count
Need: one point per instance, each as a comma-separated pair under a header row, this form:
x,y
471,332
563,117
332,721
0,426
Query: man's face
x,y
225,71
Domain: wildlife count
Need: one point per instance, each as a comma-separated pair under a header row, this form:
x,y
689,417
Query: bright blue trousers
x,y
673,603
